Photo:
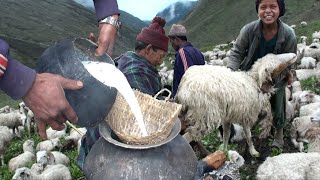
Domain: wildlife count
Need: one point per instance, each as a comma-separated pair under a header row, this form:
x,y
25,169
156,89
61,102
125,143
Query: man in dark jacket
x,y
186,55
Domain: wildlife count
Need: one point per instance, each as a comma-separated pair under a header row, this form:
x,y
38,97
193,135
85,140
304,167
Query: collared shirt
x,y
186,56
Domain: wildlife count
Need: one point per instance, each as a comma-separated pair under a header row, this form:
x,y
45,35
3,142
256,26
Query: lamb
x,y
73,138
312,51
308,109
313,136
307,63
303,74
5,109
23,159
51,158
56,172
30,121
315,116
214,95
297,166
48,145
307,97
5,138
52,134
299,127
12,120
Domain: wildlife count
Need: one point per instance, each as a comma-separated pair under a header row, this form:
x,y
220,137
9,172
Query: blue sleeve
x,y
105,8
18,78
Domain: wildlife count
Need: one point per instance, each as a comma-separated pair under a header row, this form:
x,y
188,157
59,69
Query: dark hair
x,y
281,4
139,45
179,37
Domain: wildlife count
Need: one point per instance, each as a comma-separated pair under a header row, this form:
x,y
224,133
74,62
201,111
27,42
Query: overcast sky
x,y
143,9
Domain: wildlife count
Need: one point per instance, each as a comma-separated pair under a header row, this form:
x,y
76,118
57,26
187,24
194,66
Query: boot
x,y
278,138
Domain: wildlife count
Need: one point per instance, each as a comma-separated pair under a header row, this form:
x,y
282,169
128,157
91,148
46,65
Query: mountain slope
x,y
219,21
177,11
31,26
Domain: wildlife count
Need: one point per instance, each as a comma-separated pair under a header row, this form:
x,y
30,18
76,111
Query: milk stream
x,y
109,75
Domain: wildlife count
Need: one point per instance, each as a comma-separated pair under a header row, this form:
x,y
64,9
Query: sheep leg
x,y
226,135
252,150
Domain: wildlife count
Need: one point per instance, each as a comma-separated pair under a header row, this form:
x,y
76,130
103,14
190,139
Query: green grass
x,y
312,84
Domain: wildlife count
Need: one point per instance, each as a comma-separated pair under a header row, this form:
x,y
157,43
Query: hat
x,y
177,30
281,5
155,34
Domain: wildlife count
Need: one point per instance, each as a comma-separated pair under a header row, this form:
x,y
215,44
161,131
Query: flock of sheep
x,y
211,95
46,162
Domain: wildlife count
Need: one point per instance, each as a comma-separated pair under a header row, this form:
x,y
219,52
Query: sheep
x,y
316,36
299,127
313,50
303,74
303,23
30,121
5,138
48,145
307,97
52,134
297,166
307,63
73,138
315,116
56,172
308,109
12,120
5,109
23,159
313,136
214,95
51,158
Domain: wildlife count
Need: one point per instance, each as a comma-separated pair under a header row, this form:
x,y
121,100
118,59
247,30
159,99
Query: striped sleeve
x,y
3,64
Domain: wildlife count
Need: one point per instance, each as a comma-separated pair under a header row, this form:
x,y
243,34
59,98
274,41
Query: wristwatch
x,y
111,20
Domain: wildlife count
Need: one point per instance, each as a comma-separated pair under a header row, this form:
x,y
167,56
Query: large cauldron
x,y
91,103
171,159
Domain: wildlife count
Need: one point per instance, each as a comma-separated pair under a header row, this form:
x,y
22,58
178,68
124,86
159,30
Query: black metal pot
x,y
111,160
91,103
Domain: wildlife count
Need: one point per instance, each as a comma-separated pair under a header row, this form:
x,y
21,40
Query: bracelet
x,y
111,20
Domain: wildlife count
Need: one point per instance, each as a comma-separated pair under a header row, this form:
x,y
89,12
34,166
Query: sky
x,y
143,9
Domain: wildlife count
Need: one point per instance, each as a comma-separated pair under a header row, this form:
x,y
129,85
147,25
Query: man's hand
x,y
107,39
47,101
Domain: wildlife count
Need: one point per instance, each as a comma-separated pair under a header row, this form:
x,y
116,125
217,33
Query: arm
x,y
239,50
107,32
42,93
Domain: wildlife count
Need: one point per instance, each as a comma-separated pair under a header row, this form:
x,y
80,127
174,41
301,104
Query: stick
x,y
73,127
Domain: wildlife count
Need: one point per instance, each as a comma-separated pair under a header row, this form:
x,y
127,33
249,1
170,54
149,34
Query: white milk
x,y
109,75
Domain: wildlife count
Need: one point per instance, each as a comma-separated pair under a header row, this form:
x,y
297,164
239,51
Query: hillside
x,y
219,21
31,26
177,11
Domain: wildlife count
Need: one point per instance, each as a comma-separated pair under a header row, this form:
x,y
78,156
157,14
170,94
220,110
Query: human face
x,y
269,11
174,43
156,56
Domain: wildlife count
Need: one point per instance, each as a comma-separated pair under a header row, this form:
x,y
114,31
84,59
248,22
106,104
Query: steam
x,y
172,9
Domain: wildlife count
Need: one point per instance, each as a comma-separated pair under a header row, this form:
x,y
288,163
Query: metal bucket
x,y
91,103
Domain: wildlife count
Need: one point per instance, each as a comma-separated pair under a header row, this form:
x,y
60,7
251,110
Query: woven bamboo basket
x,y
159,117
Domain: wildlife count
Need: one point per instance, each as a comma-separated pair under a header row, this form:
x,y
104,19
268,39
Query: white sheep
x,y
53,134
299,127
313,50
303,74
214,95
313,136
295,166
5,109
307,97
51,158
48,145
308,109
30,121
25,158
5,138
307,63
315,116
51,172
316,36
12,120
303,23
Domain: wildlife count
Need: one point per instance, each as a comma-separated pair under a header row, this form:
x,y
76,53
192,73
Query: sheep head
x,y
313,134
265,69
